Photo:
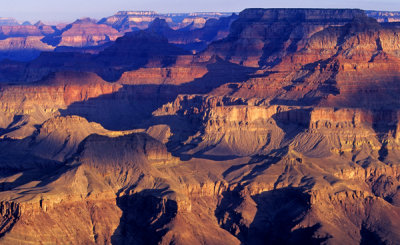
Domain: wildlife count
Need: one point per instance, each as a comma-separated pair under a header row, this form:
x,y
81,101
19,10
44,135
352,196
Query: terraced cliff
x,y
284,132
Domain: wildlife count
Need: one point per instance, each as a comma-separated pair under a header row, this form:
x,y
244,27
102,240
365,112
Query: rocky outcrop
x,y
167,76
84,33
149,47
92,226
81,33
229,126
19,108
22,48
384,16
23,31
130,20
191,37
195,22
58,138
329,72
126,21
150,50
261,37
24,42
284,132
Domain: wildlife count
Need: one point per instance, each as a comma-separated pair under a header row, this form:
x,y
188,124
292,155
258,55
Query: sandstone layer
x,y
286,131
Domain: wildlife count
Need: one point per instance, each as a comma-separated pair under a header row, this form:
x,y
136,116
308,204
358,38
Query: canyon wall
x,y
286,131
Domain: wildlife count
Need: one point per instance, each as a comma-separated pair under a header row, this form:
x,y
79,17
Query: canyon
x,y
24,42
384,16
273,126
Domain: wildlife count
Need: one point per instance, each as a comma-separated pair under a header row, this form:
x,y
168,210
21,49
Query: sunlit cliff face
x,y
283,132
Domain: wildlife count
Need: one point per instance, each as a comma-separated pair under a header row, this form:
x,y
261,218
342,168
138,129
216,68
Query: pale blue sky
x,y
68,10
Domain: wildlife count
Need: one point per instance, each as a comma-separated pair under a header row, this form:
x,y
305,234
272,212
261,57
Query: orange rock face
x,y
284,132
85,33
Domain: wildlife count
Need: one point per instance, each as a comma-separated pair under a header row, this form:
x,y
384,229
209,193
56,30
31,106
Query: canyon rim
x,y
266,126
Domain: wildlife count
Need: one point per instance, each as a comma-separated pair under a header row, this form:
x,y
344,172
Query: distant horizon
x,y
65,21
61,11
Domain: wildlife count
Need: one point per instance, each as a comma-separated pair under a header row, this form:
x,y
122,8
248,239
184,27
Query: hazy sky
x,y
68,10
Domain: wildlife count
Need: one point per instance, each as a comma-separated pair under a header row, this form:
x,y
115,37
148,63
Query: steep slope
x,y
57,139
130,52
147,45
24,106
130,165
74,44
126,21
194,39
91,223
83,33
32,38
22,48
23,31
294,140
315,157
23,42
246,193
384,16
354,65
261,37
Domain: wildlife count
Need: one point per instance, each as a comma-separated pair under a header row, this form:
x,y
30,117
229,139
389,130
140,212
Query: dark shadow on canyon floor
x,y
133,104
277,214
144,218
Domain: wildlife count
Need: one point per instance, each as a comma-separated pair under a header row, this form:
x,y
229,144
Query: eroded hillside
x,y
284,132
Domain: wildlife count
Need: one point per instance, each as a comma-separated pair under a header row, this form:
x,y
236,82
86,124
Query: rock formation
x,y
23,48
89,36
384,16
265,36
191,37
22,31
83,33
286,131
126,21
